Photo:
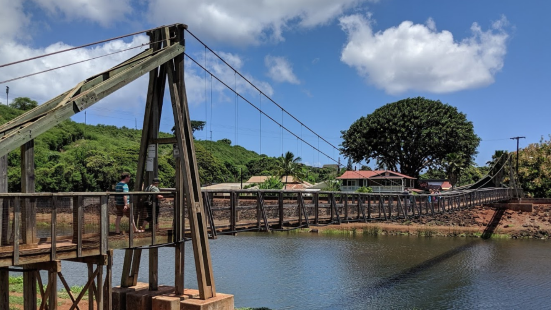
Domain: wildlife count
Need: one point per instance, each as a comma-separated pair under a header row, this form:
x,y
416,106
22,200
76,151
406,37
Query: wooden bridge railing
x,y
73,225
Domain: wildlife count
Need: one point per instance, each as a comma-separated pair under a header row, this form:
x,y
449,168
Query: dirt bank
x,y
476,222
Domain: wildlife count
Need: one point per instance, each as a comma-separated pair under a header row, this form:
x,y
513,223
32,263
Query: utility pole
x,y
517,138
7,94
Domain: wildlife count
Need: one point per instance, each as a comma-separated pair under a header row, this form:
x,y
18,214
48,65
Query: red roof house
x,y
379,180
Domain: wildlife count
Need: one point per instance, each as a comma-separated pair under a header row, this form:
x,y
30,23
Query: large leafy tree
x,y
410,135
23,103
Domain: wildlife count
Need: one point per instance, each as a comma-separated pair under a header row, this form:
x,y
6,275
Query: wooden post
x,y
108,283
78,221
153,269
316,208
53,233
52,287
345,207
29,290
4,222
28,206
16,229
104,225
281,213
233,212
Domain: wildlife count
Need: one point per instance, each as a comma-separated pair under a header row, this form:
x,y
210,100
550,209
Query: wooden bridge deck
x,y
228,212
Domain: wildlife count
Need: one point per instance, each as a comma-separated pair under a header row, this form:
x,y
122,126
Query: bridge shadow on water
x,y
410,273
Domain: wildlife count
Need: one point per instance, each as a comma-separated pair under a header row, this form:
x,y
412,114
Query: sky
x,y
325,62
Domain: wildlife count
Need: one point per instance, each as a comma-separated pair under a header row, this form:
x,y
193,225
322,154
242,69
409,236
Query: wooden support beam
x,y
16,229
280,209
104,225
4,222
184,135
53,228
78,223
29,290
87,98
28,206
153,269
108,284
4,288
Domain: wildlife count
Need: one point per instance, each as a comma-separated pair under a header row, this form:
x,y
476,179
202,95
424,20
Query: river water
x,y
311,271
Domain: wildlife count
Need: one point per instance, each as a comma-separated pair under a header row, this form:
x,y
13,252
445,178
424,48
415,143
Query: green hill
x,y
77,157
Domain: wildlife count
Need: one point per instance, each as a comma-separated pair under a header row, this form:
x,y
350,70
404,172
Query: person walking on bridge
x,y
148,205
122,203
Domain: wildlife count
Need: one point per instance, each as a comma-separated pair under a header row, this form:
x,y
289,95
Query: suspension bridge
x,y
39,231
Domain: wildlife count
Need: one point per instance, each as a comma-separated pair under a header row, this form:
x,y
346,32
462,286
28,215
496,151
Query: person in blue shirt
x,y
122,203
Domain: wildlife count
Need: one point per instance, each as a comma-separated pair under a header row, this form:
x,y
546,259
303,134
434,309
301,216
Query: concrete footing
x,y
139,297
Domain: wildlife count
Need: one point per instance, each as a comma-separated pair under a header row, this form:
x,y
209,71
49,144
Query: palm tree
x,y
288,165
454,163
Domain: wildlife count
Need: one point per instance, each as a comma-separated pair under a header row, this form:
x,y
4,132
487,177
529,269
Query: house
x,y
428,184
381,181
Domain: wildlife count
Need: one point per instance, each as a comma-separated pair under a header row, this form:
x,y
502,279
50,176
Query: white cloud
x,y
417,57
247,21
43,87
12,19
280,70
104,12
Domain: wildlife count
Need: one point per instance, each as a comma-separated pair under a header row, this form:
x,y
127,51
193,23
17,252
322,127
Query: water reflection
x,y
310,271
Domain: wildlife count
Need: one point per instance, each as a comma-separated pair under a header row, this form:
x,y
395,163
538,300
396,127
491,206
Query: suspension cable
x,y
77,47
78,62
254,86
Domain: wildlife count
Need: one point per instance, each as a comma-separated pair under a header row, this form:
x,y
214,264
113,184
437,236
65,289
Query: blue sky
x,y
326,62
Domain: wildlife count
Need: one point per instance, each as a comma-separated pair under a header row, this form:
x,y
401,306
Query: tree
x,y
410,135
288,165
349,164
23,103
454,164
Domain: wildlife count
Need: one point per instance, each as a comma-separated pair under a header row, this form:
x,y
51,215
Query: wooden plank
x,y
136,265
179,255
28,206
184,134
146,127
345,207
233,211
104,225
316,208
280,209
127,264
108,304
4,205
4,288
29,290
171,140
16,230
85,289
90,292
131,222
67,287
78,211
53,228
100,289
153,269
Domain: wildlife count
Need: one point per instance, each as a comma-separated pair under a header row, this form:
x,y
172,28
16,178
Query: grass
x,y
372,231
